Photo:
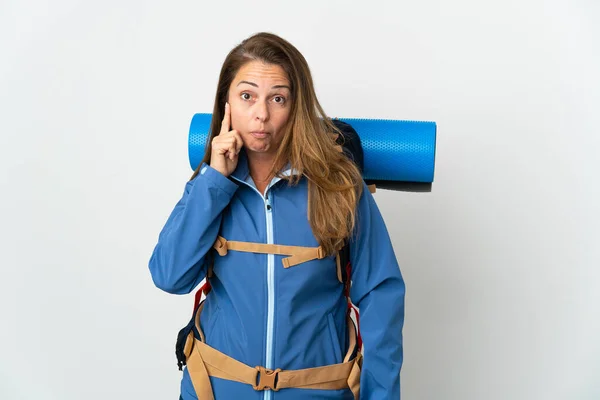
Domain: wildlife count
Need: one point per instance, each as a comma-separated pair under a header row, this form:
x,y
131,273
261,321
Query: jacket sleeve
x,y
378,291
177,263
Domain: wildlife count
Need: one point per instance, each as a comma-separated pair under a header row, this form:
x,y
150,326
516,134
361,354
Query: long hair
x,y
308,144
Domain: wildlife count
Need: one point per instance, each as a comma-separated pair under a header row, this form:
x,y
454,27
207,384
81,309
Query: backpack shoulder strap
x,y
343,263
345,270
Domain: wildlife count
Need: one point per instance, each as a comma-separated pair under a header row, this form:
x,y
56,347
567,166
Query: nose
x,y
261,111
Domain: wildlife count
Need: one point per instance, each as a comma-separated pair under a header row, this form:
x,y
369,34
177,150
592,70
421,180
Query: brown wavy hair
x,y
334,181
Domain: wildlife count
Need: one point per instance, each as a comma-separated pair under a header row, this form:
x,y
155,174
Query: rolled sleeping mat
x,y
396,154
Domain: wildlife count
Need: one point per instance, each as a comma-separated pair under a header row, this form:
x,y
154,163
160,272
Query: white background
x,y
501,259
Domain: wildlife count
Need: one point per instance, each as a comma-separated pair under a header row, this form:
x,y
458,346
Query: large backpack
x,y
351,146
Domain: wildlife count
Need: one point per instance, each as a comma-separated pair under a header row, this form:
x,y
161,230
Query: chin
x,y
257,149
257,146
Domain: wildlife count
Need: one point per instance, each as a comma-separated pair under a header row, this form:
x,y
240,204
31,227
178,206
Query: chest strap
x,y
204,361
297,254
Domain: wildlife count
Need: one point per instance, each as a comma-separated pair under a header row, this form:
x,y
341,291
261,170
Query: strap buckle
x,y
267,379
320,253
221,246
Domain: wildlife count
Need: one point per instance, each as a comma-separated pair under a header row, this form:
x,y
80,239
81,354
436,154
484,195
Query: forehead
x,y
264,75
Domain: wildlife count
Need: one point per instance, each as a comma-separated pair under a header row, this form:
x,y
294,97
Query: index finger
x,y
225,124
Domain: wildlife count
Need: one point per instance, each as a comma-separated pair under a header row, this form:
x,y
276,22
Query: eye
x,y
246,94
281,99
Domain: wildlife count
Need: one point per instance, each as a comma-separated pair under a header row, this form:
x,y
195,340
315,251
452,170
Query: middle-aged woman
x,y
264,216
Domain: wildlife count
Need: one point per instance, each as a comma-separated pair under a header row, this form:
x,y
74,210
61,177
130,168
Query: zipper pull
x,y
268,201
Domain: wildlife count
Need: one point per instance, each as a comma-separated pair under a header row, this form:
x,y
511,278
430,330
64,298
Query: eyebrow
x,y
274,87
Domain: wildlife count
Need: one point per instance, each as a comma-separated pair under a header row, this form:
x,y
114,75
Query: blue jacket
x,y
262,314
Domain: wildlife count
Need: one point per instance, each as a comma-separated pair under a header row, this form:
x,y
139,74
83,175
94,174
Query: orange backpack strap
x,y
297,254
205,361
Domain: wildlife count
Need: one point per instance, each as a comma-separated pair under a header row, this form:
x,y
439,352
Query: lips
x,y
259,134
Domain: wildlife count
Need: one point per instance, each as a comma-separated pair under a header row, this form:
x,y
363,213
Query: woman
x,y
273,176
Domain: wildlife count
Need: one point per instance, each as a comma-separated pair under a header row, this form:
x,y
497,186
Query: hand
x,y
226,146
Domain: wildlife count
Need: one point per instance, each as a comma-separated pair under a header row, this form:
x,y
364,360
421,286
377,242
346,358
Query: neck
x,y
260,166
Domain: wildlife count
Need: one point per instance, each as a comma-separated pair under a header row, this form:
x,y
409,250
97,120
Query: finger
x,y
225,124
225,145
239,143
222,147
217,145
232,140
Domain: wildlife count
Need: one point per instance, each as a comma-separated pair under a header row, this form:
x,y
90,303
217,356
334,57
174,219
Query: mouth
x,y
259,134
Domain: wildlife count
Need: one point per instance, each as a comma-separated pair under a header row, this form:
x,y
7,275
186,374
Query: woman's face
x,y
260,102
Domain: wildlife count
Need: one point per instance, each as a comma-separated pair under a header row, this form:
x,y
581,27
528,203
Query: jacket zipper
x,y
270,289
268,394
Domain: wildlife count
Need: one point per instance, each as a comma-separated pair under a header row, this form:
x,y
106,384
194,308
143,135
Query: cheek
x,y
237,120
282,119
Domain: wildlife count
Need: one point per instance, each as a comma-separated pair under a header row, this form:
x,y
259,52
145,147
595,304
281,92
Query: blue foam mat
x,y
394,150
